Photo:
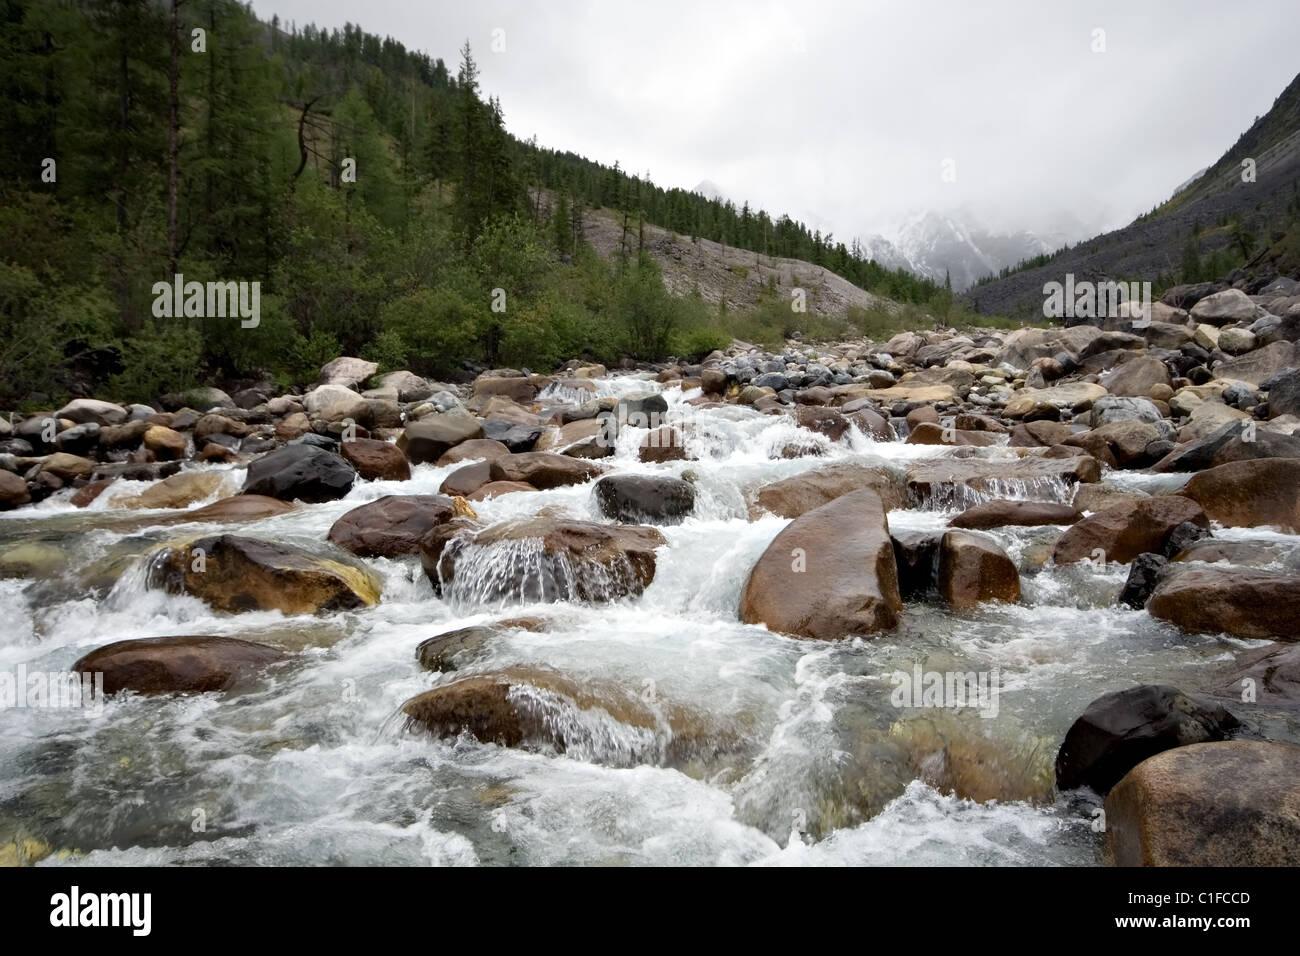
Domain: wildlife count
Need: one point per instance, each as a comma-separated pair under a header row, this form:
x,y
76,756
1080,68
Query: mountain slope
x,y
1218,217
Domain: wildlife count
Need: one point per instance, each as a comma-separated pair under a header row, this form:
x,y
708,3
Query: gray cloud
x,y
842,114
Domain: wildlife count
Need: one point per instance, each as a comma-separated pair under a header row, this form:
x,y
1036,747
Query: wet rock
x,y
495,489
178,665
1143,578
474,449
431,437
178,491
829,574
236,574
376,460
974,569
441,652
930,433
541,559
86,493
1234,803
301,472
823,421
1249,494
13,491
467,479
1002,512
543,470
1270,674
236,508
794,496
665,443
1125,530
1121,729
549,712
391,526
1244,603
516,437
1284,394
644,498
954,481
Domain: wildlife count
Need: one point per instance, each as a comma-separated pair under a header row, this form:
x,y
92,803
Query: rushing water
x,y
793,751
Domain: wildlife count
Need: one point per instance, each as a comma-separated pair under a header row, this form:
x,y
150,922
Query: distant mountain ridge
x,y
1224,217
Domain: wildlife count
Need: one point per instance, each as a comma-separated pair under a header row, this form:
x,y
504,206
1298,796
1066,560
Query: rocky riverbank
x,y
845,499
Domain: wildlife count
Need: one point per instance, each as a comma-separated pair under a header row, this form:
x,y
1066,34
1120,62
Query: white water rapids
x,y
811,763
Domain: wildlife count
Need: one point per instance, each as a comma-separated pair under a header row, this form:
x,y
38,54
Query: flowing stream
x,y
795,754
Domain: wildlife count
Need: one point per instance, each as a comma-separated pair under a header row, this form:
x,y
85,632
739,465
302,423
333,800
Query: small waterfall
x,y
524,572
958,495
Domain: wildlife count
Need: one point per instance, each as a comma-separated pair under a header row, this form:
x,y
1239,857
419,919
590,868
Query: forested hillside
x,y
372,191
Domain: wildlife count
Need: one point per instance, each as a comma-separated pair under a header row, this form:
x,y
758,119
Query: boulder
x,y
1284,394
334,403
1001,512
179,491
13,491
81,411
1121,729
1274,675
347,371
376,460
302,472
541,559
948,482
794,496
495,489
829,574
1224,308
1249,494
1227,804
236,574
473,450
1136,377
1237,601
467,479
1143,578
178,665
543,469
235,508
1125,530
67,467
431,437
1258,366
644,498
391,526
974,569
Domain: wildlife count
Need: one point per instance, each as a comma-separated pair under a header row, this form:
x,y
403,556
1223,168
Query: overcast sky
x,y
842,114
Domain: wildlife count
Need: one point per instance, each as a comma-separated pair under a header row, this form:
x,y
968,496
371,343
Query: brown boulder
x,y
541,559
1125,530
1248,494
1245,603
177,665
236,574
467,479
391,526
475,448
1225,804
794,496
1002,512
829,574
973,569
376,460
495,489
543,469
